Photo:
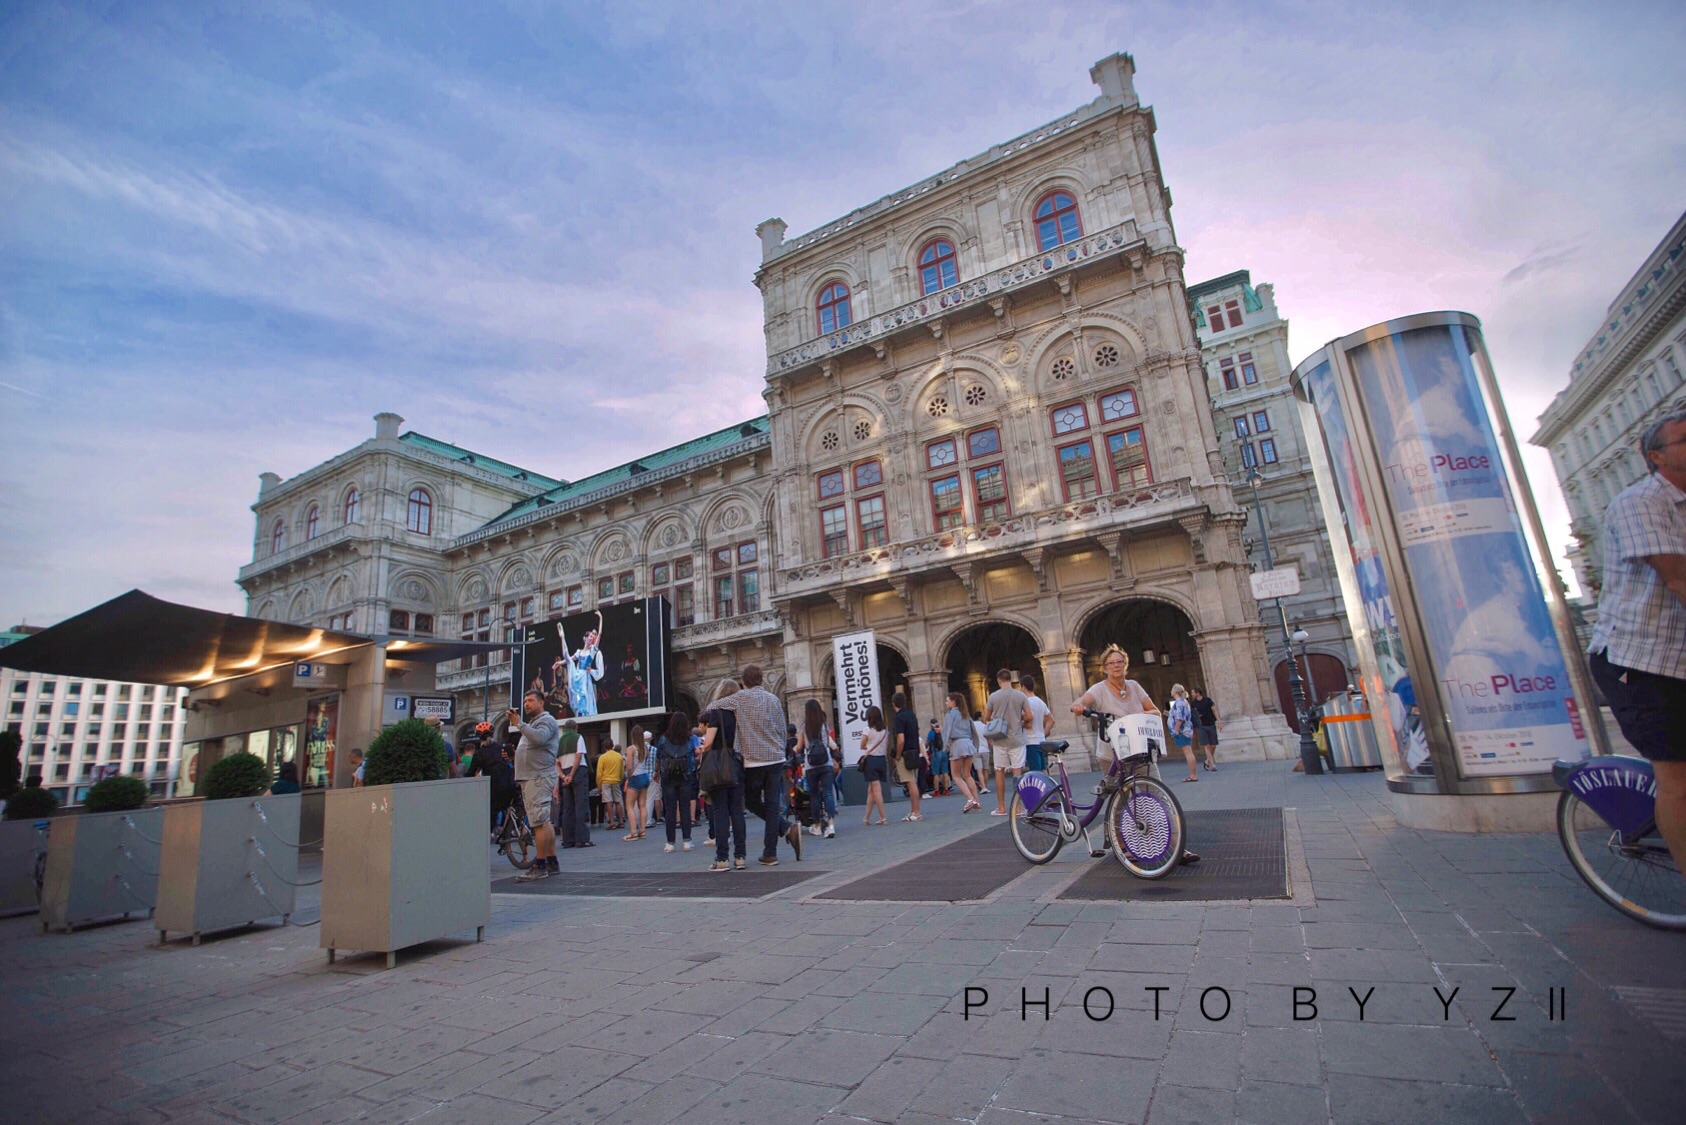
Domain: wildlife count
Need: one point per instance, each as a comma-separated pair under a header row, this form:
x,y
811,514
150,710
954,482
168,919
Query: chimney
x,y
386,424
772,238
1115,75
266,481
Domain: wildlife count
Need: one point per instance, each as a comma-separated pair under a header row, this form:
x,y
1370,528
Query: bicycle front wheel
x,y
1637,877
517,844
1145,828
1037,835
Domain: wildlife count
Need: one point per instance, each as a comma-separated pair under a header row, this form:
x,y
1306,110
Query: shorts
x,y
960,748
939,762
1182,740
638,781
611,794
906,775
1208,735
1650,709
1007,756
536,794
877,769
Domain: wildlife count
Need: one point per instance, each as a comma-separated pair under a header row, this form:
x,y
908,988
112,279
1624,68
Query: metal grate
x,y
963,871
752,883
1243,855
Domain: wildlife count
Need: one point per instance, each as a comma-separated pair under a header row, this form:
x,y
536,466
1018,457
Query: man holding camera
x,y
535,772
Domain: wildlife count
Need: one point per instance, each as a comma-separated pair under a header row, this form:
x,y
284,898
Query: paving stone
x,y
554,1081
1450,1054
884,1014
296,1095
1177,1105
1074,1086
886,1093
1359,1100
1202,1059
756,1099
1274,1102
1563,1088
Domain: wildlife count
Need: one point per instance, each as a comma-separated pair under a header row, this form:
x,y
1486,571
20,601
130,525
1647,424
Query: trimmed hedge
x,y
31,803
117,794
238,775
407,751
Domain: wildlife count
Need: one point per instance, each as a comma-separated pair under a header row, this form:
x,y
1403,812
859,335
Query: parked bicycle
x,y
1144,828
514,837
1607,821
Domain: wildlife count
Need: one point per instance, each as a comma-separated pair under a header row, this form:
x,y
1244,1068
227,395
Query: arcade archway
x,y
1159,639
978,653
892,677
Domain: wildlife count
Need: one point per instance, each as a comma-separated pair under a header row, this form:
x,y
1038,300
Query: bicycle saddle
x,y
1055,746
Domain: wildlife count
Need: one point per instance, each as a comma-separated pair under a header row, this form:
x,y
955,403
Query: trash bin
x,y
1352,740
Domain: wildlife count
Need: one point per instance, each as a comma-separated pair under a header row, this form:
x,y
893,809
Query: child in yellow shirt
x,y
610,777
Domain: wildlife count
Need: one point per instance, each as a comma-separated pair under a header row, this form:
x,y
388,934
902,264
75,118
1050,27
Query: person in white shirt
x,y
1041,724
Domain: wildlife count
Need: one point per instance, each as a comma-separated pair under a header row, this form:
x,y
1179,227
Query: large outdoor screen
x,y
610,661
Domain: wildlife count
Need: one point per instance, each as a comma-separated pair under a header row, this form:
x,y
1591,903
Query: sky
x,y
230,233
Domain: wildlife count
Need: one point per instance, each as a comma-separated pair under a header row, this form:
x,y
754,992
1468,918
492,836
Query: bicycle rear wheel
x,y
517,842
1145,828
1037,835
1637,877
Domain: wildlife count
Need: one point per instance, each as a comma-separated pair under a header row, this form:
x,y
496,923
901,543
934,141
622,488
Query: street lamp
x,y
1302,638
1309,758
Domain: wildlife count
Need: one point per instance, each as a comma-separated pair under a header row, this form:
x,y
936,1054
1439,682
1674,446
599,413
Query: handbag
x,y
721,768
996,730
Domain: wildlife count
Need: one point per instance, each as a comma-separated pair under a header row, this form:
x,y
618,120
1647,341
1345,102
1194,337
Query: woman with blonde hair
x,y
1182,729
637,784
957,740
1116,694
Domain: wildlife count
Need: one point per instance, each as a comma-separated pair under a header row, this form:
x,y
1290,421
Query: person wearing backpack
x,y
820,755
725,803
674,762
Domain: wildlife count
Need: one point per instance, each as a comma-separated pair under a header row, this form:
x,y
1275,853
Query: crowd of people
x,y
706,775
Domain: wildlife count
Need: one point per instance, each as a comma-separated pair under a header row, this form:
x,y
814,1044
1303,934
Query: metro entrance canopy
x,y
138,638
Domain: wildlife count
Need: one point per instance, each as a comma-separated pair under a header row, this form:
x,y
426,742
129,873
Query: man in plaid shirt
x,y
1639,645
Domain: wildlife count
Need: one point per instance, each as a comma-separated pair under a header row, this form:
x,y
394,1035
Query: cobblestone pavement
x,y
792,1010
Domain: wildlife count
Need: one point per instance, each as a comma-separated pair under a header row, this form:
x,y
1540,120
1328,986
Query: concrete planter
x,y
227,863
404,864
99,866
18,841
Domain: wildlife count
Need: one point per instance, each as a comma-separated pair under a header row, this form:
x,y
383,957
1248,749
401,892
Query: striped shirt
x,y
1640,622
761,724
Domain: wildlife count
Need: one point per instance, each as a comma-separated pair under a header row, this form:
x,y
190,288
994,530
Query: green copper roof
x,y
479,460
651,462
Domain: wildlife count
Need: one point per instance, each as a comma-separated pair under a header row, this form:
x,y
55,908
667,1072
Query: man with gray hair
x,y
1638,647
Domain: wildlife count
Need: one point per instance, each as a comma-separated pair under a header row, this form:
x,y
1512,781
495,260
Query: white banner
x,y
855,659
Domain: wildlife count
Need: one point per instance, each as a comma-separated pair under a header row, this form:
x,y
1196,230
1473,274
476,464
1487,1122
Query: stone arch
x,y
839,419
730,515
968,371
1138,624
414,586
974,651
957,236
339,594
668,533
474,589
1067,178
516,577
560,564
997,616
1042,352
266,611
612,550
302,606
840,270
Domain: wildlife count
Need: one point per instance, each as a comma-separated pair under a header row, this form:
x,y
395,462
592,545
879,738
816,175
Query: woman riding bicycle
x,y
1119,696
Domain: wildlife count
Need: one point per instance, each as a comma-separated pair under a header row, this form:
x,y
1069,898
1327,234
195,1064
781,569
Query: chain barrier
x,y
257,808
139,866
253,840
258,883
130,891
135,828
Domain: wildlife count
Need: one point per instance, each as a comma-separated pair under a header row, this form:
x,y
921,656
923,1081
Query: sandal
x,y
634,836
1191,777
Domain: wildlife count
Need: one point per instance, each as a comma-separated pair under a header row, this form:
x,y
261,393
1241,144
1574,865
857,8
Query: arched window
x,y
936,266
278,538
421,512
352,499
1056,220
833,307
312,520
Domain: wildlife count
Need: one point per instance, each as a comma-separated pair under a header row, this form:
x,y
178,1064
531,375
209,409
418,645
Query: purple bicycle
x,y
1144,823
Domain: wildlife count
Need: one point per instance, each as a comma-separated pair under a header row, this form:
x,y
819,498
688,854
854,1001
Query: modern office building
x,y
1629,374
989,439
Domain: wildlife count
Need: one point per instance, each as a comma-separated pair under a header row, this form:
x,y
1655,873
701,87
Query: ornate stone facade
x,y
989,439
1629,374
1244,344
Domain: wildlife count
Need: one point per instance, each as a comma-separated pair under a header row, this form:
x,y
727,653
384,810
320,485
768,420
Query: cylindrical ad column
x,y
1469,662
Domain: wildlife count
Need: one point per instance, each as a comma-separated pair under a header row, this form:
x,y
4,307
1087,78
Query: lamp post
x,y
1309,758
1302,638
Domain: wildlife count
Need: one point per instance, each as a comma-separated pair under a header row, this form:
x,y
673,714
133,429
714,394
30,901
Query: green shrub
x,y
31,803
406,751
117,794
238,775
11,761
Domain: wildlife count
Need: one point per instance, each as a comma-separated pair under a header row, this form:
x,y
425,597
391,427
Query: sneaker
x,y
708,843
815,830
793,836
719,865
687,845
930,794
533,874
767,861
831,832
667,847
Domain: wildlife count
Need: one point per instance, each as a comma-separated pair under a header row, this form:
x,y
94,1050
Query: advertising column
x,y
1460,641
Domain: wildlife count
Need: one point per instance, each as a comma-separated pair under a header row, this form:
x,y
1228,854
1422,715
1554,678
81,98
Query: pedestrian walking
x,y
1006,715
1638,649
875,743
820,756
575,788
637,784
728,825
760,738
957,736
675,766
909,753
1182,729
1041,725
535,773
1205,726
